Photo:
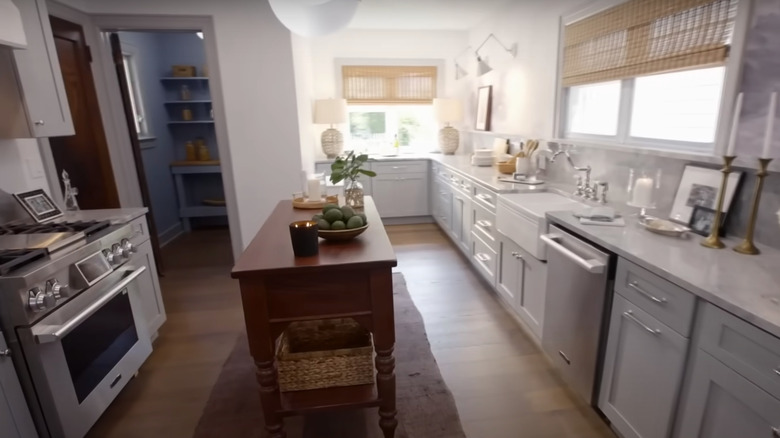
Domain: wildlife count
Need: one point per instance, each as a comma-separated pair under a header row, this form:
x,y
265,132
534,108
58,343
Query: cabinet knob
x,y
5,353
39,123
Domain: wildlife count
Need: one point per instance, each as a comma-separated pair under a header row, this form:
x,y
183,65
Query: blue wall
x,y
155,53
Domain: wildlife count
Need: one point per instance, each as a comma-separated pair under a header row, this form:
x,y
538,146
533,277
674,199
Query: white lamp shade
x,y
482,67
314,17
447,110
330,111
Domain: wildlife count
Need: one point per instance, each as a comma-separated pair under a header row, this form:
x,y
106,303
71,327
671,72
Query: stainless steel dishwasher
x,y
578,277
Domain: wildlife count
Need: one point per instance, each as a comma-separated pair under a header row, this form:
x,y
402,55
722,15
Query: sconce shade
x,y
330,111
460,72
482,67
447,110
314,17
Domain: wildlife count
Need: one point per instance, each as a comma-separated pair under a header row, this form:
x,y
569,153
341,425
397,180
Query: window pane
x,y
593,109
680,106
131,88
373,128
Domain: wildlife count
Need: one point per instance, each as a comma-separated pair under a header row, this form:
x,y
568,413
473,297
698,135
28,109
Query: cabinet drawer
x,y
484,258
748,350
484,225
486,197
391,167
666,301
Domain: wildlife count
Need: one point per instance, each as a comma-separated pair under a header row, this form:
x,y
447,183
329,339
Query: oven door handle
x,y
55,333
593,266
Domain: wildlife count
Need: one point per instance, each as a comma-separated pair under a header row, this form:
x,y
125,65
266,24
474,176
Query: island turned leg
x,y
261,348
384,342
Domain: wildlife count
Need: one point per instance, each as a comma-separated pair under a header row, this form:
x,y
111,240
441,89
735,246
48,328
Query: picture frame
x,y
38,205
699,187
702,220
484,106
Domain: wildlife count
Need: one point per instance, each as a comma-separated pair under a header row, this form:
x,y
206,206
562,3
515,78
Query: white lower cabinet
x,y
15,420
720,403
484,259
149,286
509,278
521,280
460,228
443,205
401,195
643,369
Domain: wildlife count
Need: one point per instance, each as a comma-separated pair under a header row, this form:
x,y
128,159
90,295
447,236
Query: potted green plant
x,y
349,168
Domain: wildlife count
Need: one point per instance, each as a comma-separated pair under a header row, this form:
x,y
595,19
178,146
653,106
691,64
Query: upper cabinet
x,y
31,86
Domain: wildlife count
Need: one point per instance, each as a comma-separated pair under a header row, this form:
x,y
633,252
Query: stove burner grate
x,y
11,259
87,227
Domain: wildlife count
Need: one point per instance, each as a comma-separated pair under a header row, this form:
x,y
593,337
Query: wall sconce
x,y
461,72
482,65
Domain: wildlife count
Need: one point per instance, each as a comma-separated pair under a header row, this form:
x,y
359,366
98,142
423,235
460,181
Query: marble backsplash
x,y
613,166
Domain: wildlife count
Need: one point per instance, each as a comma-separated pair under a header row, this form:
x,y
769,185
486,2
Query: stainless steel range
x,y
70,307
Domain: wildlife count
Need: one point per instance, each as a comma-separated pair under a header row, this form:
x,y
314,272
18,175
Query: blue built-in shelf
x,y
185,78
185,102
191,122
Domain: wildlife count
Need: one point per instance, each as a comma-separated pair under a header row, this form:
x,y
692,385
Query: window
x,y
647,72
386,103
136,102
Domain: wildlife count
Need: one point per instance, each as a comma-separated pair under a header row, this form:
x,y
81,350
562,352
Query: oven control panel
x,y
46,297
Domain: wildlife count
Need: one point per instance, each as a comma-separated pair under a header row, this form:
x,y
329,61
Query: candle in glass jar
x,y
643,192
314,190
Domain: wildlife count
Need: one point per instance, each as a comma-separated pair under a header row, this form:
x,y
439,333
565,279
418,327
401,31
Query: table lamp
x,y
330,112
448,111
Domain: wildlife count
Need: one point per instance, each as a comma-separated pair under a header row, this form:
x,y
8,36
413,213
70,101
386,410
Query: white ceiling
x,y
423,14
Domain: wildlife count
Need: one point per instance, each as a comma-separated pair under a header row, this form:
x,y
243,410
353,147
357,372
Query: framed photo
x,y
484,104
38,205
699,187
702,220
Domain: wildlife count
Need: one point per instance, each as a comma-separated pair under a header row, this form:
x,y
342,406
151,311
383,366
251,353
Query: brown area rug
x,y
425,405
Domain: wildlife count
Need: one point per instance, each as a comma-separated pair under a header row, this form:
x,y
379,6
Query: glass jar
x,y
185,93
643,187
190,151
353,193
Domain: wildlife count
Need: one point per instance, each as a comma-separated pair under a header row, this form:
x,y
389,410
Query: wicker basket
x,y
507,167
323,354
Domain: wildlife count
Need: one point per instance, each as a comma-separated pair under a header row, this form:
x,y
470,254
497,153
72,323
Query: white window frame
x,y
731,82
130,53
391,127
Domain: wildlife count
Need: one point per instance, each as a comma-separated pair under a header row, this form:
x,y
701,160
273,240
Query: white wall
x,y
524,88
369,44
258,84
21,168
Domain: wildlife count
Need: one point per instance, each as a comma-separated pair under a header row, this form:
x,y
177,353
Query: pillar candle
x,y
314,190
770,125
643,192
734,127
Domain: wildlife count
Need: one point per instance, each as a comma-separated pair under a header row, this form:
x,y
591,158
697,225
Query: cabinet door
x,y
509,278
461,220
15,420
720,403
443,204
40,76
643,369
149,286
403,195
529,302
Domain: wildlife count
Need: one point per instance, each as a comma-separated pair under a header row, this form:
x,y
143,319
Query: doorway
x,y
164,80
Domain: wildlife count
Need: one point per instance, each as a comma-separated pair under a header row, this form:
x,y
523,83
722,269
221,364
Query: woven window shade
x,y
382,85
642,37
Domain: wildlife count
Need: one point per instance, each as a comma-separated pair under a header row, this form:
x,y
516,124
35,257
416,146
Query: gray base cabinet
x,y
521,281
15,420
720,403
642,374
401,195
149,286
460,228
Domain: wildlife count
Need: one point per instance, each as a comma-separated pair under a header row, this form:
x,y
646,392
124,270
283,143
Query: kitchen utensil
x,y
342,235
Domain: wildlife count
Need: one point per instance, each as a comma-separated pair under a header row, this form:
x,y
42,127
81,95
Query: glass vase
x,y
353,193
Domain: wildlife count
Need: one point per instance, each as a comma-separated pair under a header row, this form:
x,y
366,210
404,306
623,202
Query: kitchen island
x,y
345,280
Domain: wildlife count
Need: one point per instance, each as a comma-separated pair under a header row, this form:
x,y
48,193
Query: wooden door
x,y
642,374
721,403
85,155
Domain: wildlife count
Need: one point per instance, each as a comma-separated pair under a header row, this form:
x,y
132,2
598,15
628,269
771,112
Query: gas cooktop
x,y
11,259
49,237
87,227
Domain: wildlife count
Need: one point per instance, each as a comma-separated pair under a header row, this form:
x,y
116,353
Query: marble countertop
x,y
115,215
486,176
747,286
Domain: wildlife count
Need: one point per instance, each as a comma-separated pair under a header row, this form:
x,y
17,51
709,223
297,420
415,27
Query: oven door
x,y
84,353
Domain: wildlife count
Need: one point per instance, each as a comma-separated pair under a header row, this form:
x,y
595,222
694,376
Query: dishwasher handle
x,y
592,266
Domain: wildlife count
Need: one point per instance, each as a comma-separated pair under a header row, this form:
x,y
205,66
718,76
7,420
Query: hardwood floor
x,y
502,385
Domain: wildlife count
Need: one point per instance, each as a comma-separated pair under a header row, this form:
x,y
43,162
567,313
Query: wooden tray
x,y
341,235
306,204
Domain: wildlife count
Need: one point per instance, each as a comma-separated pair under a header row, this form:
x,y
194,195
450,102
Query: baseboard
x,y
170,234
413,220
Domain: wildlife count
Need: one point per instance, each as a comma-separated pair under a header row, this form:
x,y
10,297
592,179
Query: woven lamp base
x,y
449,140
332,142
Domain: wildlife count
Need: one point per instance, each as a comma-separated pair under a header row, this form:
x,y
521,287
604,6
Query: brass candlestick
x,y
747,246
713,241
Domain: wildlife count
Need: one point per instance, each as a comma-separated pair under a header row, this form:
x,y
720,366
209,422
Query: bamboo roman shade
x,y
384,84
641,37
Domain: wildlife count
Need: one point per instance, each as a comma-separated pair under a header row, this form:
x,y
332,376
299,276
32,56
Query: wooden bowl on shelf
x,y
341,235
506,167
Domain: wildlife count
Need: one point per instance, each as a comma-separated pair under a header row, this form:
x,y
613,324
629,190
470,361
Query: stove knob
x,y
56,289
109,256
39,300
118,251
128,247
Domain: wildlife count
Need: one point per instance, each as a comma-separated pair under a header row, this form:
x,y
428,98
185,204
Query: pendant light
x,y
314,17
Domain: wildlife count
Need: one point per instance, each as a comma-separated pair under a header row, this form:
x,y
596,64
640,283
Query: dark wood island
x,y
345,280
